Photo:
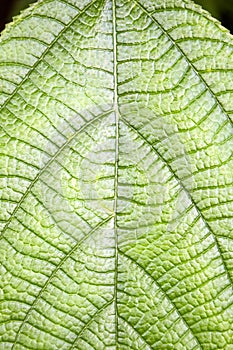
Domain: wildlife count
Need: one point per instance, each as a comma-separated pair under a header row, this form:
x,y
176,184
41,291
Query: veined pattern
x,y
116,177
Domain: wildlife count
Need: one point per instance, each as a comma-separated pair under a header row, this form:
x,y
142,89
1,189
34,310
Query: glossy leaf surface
x,y
116,177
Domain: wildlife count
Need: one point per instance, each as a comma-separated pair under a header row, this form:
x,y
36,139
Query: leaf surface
x,y
116,177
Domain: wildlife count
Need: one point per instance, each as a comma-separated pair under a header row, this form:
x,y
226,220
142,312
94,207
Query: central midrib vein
x,y
117,114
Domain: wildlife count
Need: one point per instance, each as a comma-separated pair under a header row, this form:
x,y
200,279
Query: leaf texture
x,y
116,177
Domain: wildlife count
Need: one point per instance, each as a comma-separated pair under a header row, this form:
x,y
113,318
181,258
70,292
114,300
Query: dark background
x,y
221,9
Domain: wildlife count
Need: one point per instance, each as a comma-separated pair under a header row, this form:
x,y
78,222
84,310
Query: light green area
x,y
116,177
217,8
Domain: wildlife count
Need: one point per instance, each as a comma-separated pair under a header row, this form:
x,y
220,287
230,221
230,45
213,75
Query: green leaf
x,y
116,177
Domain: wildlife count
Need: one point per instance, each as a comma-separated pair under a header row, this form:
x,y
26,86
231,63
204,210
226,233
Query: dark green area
x,y
11,8
221,9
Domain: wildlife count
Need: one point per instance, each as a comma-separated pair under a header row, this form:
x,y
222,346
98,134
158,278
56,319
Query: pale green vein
x,y
58,267
188,326
53,42
85,327
116,159
188,194
186,59
165,294
148,346
52,159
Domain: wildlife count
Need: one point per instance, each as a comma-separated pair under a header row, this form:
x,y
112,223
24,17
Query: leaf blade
x,y
121,134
